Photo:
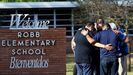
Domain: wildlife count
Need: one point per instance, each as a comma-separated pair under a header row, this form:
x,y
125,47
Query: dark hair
x,y
90,24
108,26
100,20
87,24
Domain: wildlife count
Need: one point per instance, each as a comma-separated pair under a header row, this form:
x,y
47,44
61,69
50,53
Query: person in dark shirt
x,y
83,51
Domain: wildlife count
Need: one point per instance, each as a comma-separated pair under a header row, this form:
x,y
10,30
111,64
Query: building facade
x,y
59,13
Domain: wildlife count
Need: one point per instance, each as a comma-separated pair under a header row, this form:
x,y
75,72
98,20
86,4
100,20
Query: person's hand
x,y
116,31
108,47
84,32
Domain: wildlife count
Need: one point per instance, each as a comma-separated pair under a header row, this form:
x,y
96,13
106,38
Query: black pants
x,y
96,62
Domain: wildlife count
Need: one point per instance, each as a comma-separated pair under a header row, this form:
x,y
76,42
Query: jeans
x,y
75,70
84,69
109,66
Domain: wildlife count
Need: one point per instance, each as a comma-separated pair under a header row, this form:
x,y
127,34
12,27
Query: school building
x,y
58,12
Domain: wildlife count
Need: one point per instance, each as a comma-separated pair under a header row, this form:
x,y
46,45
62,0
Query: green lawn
x,y
70,64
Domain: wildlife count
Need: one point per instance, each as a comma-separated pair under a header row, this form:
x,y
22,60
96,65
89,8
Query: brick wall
x,y
54,54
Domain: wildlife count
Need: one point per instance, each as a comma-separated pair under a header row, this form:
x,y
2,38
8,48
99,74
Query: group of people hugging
x,y
100,49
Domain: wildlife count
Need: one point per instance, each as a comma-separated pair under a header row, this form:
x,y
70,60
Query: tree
x,y
92,9
121,10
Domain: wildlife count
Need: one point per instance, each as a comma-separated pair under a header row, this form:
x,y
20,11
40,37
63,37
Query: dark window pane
x,y
68,33
26,11
46,17
51,23
63,11
63,16
45,11
63,22
4,23
77,27
5,17
7,11
130,31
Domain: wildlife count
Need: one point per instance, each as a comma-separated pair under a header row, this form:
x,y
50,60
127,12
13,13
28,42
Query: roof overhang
x,y
126,3
64,4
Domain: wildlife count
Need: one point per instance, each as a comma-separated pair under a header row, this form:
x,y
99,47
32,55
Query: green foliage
x,y
91,10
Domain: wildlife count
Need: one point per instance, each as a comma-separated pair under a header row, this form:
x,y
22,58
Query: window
x,y
58,17
5,17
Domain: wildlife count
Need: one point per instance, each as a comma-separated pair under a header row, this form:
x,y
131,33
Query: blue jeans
x,y
109,66
84,69
75,70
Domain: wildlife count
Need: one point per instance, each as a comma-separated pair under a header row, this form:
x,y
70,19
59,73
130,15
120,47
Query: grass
x,y
70,65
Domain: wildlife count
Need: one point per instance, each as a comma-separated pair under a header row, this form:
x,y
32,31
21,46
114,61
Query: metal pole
x,y
72,19
54,18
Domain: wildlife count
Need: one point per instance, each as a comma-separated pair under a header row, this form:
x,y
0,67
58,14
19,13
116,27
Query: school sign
x,y
31,48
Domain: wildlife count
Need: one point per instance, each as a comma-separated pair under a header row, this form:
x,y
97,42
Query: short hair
x,y
90,24
100,20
